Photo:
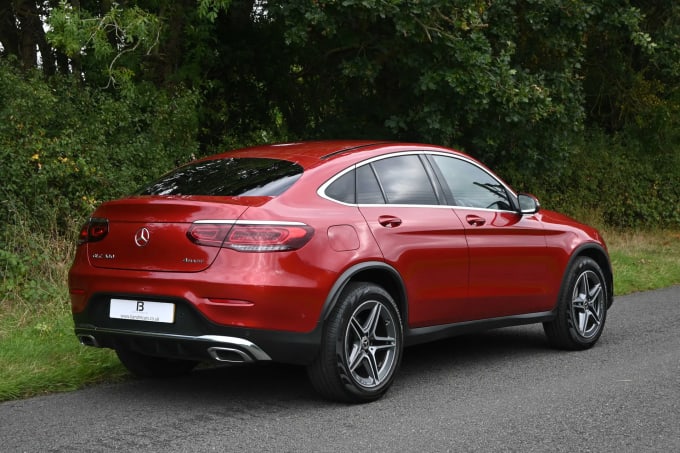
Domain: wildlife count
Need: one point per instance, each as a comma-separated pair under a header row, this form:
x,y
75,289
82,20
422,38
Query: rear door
x,y
423,239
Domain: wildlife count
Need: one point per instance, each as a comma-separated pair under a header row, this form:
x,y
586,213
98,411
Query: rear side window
x,y
405,181
228,177
393,180
368,189
343,188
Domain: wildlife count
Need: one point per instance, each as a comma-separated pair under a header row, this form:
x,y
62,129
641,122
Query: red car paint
x,y
448,264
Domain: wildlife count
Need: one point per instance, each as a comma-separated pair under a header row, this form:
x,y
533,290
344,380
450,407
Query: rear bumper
x,y
265,296
217,347
192,336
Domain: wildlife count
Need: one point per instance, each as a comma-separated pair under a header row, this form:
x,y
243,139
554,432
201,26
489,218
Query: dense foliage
x,y
65,146
577,101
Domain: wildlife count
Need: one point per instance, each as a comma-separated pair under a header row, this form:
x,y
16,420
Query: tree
x,y
510,80
22,34
498,78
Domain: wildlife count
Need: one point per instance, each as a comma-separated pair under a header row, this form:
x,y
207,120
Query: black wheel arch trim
x,y
598,253
397,284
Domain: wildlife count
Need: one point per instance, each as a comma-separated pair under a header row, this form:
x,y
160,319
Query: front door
x,y
510,264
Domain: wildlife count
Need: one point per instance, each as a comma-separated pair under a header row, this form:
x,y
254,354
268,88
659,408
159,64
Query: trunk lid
x,y
150,233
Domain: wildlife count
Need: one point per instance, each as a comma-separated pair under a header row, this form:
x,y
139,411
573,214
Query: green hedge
x,y
614,182
65,147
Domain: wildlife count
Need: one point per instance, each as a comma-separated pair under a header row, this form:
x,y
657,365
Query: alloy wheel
x,y
371,344
587,304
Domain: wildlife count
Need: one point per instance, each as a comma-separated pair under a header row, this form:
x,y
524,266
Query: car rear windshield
x,y
228,177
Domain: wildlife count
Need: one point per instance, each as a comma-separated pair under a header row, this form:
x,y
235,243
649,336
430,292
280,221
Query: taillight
x,y
94,230
210,234
252,237
268,238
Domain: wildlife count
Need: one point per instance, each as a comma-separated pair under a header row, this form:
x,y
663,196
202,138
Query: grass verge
x,y
644,260
40,354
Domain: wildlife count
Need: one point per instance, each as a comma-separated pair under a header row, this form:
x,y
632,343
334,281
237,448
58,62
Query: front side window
x,y
471,186
228,177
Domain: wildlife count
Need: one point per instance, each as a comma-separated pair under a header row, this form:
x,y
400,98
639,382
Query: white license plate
x,y
142,310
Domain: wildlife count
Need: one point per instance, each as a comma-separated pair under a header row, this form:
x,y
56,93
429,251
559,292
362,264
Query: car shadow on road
x,y
492,345
269,383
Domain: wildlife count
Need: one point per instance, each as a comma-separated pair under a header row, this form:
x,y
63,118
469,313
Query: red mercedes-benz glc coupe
x,y
333,255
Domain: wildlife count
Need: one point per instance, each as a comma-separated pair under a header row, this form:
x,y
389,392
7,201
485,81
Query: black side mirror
x,y
528,204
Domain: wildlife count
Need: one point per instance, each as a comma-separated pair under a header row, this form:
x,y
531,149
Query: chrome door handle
x,y
475,220
389,221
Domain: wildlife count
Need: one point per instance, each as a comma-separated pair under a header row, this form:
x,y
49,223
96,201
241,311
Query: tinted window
x,y
471,186
343,188
405,181
228,177
368,189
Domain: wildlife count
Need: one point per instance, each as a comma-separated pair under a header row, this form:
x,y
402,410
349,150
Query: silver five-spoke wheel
x,y
587,304
370,344
361,346
582,306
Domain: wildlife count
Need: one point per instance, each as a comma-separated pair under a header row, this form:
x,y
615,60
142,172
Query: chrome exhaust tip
x,y
88,340
229,355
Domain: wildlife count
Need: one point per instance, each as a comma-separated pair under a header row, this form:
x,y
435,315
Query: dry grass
x,y
644,260
34,269
38,351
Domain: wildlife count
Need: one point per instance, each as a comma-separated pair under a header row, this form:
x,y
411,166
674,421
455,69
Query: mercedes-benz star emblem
x,y
142,237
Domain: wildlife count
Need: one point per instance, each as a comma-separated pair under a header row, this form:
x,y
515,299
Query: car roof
x,y
313,153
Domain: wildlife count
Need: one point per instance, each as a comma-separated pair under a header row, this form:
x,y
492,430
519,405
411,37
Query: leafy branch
x,y
111,36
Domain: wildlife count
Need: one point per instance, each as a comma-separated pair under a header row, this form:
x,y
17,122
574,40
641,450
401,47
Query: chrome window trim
x,y
436,206
321,191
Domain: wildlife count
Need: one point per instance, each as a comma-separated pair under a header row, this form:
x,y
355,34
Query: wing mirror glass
x,y
528,204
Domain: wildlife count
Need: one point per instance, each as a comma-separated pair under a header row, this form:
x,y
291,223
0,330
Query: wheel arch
x,y
598,254
375,272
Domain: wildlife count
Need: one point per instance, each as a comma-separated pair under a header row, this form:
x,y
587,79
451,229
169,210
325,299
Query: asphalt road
x,y
503,390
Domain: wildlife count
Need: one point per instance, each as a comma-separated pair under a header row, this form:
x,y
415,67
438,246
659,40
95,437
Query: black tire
x,y
361,348
158,367
581,308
